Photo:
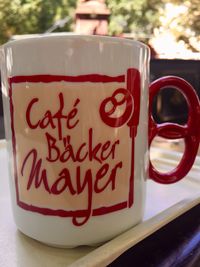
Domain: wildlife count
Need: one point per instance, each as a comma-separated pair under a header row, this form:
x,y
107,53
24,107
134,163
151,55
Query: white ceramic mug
x,y
76,116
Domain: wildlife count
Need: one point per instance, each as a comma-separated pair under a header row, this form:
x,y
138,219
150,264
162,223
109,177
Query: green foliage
x,y
139,16
36,16
32,16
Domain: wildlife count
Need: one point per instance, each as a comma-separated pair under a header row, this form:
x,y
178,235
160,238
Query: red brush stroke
x,y
97,78
73,213
133,86
55,78
13,141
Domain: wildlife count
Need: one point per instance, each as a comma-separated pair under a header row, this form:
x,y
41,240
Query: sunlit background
x,y
171,28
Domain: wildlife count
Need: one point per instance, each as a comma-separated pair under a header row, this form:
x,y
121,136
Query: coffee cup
x,y
78,127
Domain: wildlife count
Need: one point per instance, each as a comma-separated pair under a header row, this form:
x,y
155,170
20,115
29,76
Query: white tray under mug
x,y
163,204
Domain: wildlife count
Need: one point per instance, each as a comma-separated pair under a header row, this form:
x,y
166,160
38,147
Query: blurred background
x,y
170,28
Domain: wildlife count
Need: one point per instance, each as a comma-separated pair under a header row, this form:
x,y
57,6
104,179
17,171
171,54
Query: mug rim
x,y
105,39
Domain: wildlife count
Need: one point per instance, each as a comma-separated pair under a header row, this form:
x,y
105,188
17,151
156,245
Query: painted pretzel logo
x,y
108,115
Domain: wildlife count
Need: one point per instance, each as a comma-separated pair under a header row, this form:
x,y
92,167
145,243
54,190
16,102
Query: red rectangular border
x,y
55,78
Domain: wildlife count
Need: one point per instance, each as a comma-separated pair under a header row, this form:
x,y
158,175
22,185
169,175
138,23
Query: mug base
x,y
57,245
72,247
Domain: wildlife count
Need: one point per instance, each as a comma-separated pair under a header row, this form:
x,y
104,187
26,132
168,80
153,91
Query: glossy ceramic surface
x,y
76,115
78,124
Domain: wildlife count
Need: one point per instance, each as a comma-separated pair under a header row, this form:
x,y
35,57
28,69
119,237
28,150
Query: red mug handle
x,y
190,132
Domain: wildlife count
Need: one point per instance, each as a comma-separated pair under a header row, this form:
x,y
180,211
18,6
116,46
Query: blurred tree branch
x,y
33,16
